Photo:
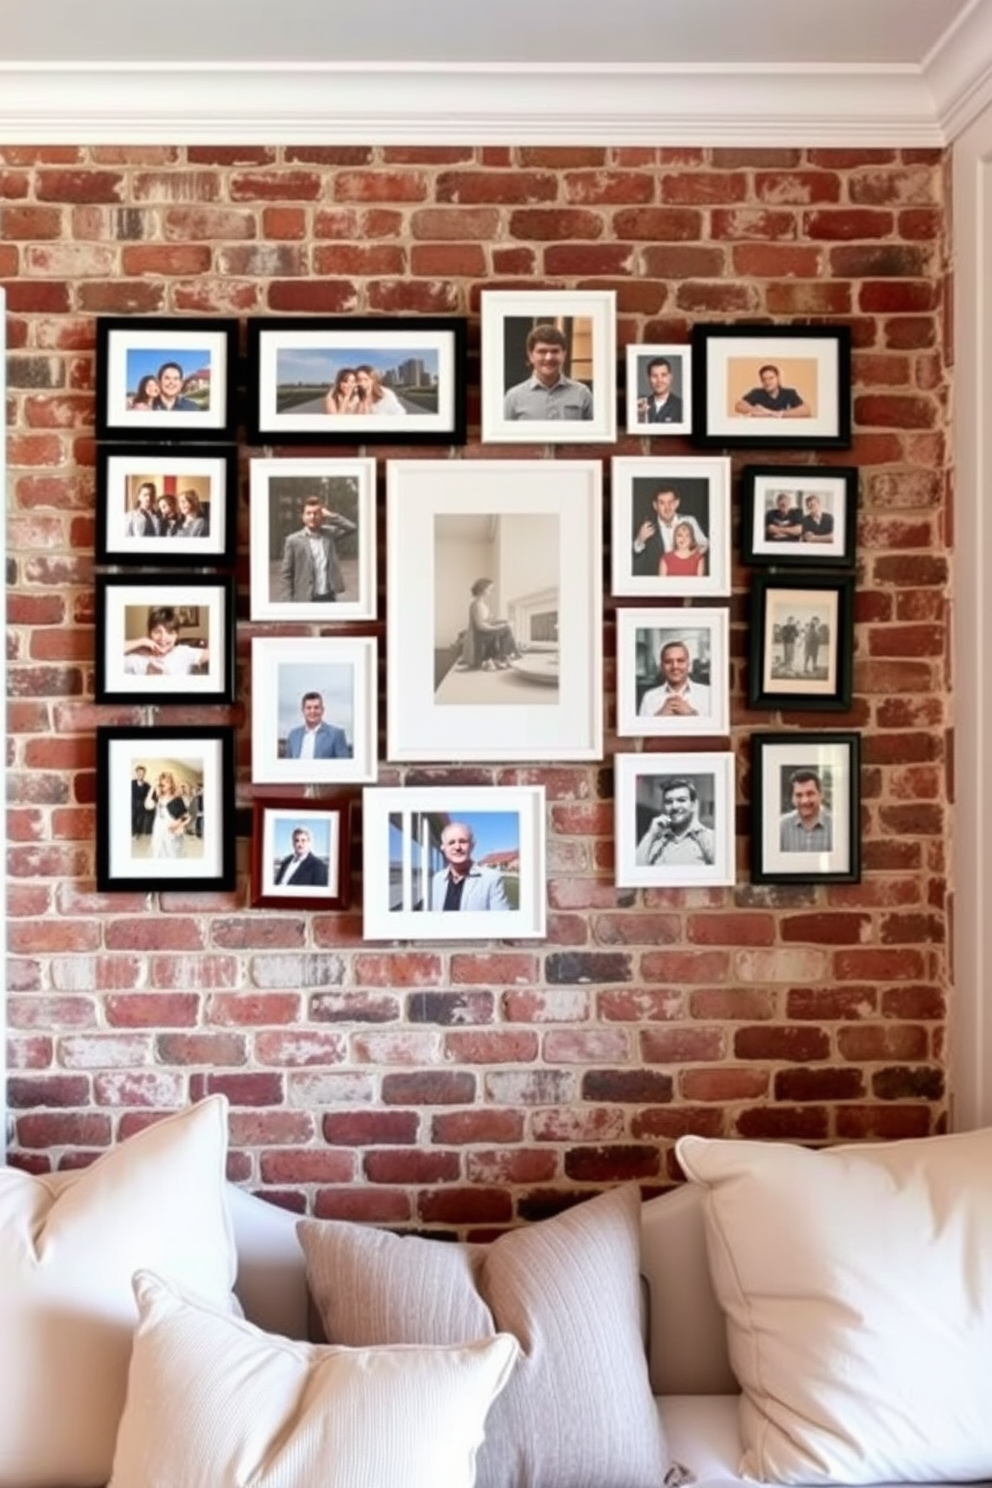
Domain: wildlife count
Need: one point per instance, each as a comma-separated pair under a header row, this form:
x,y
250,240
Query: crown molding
x,y
958,71
658,105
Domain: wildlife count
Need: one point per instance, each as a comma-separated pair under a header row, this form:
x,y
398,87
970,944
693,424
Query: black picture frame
x,y
817,527
130,348
812,365
329,820
121,473
812,667
310,355
190,615
200,756
805,808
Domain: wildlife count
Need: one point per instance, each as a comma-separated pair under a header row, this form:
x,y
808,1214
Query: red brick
x,y
326,296
122,297
464,1128
183,223
276,185
731,929
796,1044
776,261
400,297
889,262
675,967
806,297
256,1126
704,188
403,969
893,187
683,262
429,1088
870,1043
242,1088
606,188
464,1206
457,260
306,1167
883,1123
360,260
796,187
362,1206
682,1045
79,186
466,224
152,1010
718,298
383,186
619,1164
408,1165
518,1167
373,1128
659,224
783,1123
74,1130
754,223
819,1085
871,964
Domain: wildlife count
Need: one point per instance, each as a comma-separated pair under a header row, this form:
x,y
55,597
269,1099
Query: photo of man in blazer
x,y
302,868
313,738
310,569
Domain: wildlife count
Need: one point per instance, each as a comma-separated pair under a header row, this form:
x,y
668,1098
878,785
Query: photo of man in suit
x,y
463,883
313,738
655,535
310,569
662,405
302,868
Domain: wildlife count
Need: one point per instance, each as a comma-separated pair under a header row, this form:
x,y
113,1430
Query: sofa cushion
x,y
578,1412
212,1399
69,1246
857,1288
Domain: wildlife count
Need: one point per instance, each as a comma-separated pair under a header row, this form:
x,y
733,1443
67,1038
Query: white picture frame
x,y
644,785
533,529
654,500
665,408
282,568
343,672
585,319
402,860
673,672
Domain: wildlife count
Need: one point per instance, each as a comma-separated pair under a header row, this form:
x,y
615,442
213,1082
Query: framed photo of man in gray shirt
x,y
548,367
805,808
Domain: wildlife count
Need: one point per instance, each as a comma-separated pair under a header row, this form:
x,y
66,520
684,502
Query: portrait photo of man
x,y
464,883
675,693
769,399
550,391
675,834
302,867
314,738
808,826
658,513
659,390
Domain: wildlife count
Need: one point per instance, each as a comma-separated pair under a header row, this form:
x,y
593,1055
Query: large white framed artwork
x,y
494,643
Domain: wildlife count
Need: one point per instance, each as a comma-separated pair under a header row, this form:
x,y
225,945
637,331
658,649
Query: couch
x,y
789,1316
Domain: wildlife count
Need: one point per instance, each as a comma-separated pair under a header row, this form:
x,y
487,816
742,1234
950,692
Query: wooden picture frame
x,y
167,839
166,378
495,648
799,516
559,388
755,386
162,639
407,379
318,875
801,641
805,808
411,836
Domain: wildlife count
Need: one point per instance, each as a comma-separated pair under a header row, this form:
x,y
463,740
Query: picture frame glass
x,y
806,806
161,509
494,569
674,821
165,640
673,673
454,863
670,526
313,540
802,638
799,516
756,385
314,709
172,378
548,366
659,389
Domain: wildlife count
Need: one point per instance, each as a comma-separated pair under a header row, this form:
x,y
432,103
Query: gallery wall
x,y
468,1084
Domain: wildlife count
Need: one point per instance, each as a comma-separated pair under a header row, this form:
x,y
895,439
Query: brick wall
x,y
466,1085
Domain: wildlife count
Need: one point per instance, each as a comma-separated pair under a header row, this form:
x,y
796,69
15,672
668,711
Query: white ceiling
x,y
623,71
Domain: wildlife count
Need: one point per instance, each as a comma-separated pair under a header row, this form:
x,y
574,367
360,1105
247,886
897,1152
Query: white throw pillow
x,y
857,1287
69,1247
212,1399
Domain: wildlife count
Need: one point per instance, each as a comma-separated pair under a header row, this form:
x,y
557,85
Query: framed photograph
x,y
301,853
805,808
659,389
313,540
801,641
495,648
673,672
162,640
549,366
799,515
313,709
168,379
674,820
759,385
356,380
671,526
175,826
156,509
454,863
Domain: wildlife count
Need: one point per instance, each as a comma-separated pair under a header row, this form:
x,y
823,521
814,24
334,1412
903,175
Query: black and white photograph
x,y
357,380
313,709
674,819
659,389
168,379
163,640
155,509
494,567
670,526
300,852
805,808
313,540
801,641
548,366
799,515
756,386
166,818
673,672
464,862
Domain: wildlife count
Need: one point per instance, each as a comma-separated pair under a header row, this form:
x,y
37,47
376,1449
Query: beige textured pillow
x,y
214,1400
857,1287
68,1251
578,1412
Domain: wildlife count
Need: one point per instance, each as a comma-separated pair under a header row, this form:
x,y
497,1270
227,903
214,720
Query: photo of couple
x,y
386,383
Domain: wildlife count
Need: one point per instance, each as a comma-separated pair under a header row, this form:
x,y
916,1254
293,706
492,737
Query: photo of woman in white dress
x,y
172,817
